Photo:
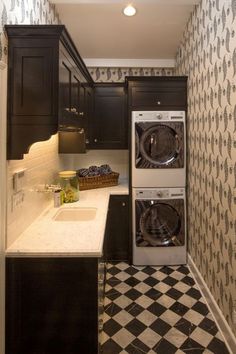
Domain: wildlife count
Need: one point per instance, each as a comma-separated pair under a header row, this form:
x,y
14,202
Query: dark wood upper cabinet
x,y
157,93
108,126
45,77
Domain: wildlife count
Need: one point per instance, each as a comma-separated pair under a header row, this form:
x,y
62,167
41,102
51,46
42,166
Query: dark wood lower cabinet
x,y
116,245
51,305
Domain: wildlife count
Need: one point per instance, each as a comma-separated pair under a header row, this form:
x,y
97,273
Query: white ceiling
x,y
100,30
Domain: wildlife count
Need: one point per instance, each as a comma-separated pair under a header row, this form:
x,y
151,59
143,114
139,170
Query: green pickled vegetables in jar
x,y
70,186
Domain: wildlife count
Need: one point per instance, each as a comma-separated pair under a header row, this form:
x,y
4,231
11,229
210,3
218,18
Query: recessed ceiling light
x,y
129,10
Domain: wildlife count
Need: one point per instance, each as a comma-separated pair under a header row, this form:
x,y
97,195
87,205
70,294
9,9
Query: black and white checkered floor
x,y
156,310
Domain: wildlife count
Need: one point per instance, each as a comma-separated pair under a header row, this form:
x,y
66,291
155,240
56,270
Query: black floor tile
x,y
135,327
156,309
175,294
160,327
209,326
137,347
201,308
185,326
165,347
111,347
217,346
179,308
134,309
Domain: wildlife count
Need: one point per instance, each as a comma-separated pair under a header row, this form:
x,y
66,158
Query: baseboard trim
x,y
224,328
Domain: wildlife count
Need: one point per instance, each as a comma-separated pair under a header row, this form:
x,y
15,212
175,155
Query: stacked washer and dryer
x,y
158,180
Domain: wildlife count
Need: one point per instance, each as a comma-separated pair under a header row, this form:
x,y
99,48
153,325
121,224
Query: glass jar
x,y
70,186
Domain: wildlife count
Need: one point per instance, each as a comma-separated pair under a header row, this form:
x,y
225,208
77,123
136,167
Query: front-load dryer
x,y
158,149
159,226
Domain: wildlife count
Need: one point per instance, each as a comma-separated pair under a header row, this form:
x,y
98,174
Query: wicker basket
x,y
98,181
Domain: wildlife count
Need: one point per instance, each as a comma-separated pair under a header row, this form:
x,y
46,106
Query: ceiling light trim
x,y
130,63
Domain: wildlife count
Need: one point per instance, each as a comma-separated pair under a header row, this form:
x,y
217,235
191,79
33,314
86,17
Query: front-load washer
x,y
158,149
159,226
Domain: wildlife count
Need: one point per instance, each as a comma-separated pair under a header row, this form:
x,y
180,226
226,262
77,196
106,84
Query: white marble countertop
x,y
46,237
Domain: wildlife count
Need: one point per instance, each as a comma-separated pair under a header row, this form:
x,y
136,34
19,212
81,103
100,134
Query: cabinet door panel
x,y
108,128
117,229
32,89
149,96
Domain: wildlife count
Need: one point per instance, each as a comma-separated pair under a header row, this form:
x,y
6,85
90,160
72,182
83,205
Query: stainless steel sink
x,y
75,214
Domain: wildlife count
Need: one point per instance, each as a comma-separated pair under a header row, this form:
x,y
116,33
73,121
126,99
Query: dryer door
x,y
159,145
159,223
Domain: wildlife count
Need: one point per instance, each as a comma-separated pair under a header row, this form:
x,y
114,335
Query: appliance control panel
x,y
159,193
150,116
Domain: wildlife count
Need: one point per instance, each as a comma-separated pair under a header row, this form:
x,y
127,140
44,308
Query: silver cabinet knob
x,y
81,114
158,102
95,140
123,204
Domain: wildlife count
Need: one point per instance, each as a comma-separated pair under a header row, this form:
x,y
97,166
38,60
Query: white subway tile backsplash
x,y
117,159
42,165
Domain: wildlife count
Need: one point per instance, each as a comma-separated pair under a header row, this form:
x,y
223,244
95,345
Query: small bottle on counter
x,y
58,198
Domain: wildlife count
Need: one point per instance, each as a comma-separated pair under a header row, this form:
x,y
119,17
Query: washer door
x,y
159,145
159,223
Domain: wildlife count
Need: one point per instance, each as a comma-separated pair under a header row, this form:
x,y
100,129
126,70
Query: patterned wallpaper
x,y
208,56
119,74
24,12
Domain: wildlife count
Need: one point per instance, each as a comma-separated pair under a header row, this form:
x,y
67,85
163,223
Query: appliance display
x,y
159,226
158,149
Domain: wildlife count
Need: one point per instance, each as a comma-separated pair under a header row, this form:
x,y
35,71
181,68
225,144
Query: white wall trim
x,y
3,104
224,328
130,63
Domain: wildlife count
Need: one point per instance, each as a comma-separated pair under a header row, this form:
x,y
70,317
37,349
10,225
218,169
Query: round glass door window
x,y
160,225
159,145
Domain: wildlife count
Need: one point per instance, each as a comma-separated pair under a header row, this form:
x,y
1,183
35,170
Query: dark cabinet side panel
x,y
117,229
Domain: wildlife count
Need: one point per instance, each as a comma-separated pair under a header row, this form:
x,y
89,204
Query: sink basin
x,y
75,214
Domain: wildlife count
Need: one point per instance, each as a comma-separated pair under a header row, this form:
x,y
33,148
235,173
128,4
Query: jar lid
x,y
67,174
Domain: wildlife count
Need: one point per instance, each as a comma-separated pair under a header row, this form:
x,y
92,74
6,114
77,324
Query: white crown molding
x,y
130,63
223,326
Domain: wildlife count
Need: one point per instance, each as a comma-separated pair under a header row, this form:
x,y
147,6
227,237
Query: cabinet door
x,y
65,77
117,229
155,97
108,128
157,93
51,306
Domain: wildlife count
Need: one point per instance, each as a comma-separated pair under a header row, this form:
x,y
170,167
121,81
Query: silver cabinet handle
x,y
81,114
95,140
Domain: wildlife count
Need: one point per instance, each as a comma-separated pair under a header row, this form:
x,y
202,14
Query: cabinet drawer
x,y
154,97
